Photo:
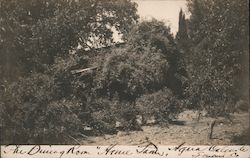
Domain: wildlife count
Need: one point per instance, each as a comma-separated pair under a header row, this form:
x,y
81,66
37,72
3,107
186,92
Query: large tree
x,y
33,32
37,38
219,31
148,62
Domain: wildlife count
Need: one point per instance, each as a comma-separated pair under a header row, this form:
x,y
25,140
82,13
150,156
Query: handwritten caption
x,y
114,150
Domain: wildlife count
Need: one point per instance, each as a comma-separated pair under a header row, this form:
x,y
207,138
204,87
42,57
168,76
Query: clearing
x,y
192,132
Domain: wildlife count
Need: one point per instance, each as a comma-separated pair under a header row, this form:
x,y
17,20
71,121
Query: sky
x,y
166,10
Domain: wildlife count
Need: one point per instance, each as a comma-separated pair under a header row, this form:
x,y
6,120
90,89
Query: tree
x,y
148,62
130,74
41,98
135,74
34,32
219,32
182,29
183,45
156,35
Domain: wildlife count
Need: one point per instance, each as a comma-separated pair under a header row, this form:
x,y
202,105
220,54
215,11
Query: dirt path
x,y
192,133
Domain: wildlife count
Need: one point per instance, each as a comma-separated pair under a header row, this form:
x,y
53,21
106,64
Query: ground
x,y
192,132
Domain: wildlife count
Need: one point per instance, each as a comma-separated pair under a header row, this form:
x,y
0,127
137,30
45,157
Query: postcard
x,y
124,78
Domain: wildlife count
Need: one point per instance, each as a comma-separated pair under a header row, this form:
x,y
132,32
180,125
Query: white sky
x,y
166,10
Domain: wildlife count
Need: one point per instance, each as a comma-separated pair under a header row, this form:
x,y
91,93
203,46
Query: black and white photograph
x,y
124,72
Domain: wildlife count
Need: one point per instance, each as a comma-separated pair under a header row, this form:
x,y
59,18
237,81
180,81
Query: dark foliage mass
x,y
218,54
162,105
34,32
64,78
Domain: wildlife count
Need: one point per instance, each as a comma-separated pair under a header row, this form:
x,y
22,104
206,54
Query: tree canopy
x,y
63,76
34,32
219,33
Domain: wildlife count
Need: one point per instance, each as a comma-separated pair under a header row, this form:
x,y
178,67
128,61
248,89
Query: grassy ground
x,y
225,132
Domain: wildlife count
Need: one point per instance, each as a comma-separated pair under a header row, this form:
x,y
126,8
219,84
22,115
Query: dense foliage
x,y
34,32
63,78
53,102
154,34
38,39
162,105
218,57
131,74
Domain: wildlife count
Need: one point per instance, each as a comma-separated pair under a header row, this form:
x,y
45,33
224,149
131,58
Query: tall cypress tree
x,y
182,30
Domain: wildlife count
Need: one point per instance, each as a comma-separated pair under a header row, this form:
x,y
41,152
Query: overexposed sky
x,y
166,10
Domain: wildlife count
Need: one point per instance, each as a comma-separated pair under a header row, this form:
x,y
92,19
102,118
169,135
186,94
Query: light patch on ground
x,y
192,133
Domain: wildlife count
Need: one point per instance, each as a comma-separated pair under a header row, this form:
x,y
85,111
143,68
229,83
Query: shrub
x,y
32,114
106,113
102,116
125,113
162,105
130,74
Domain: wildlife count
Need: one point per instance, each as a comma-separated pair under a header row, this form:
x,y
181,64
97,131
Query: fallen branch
x,y
83,70
74,139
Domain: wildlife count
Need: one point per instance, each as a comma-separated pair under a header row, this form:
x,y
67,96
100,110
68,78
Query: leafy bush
x,y
156,35
130,74
125,113
102,116
162,105
32,113
106,113
57,123
71,86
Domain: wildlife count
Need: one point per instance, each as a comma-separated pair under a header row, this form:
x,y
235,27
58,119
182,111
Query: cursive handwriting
x,y
38,149
150,149
182,148
114,150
